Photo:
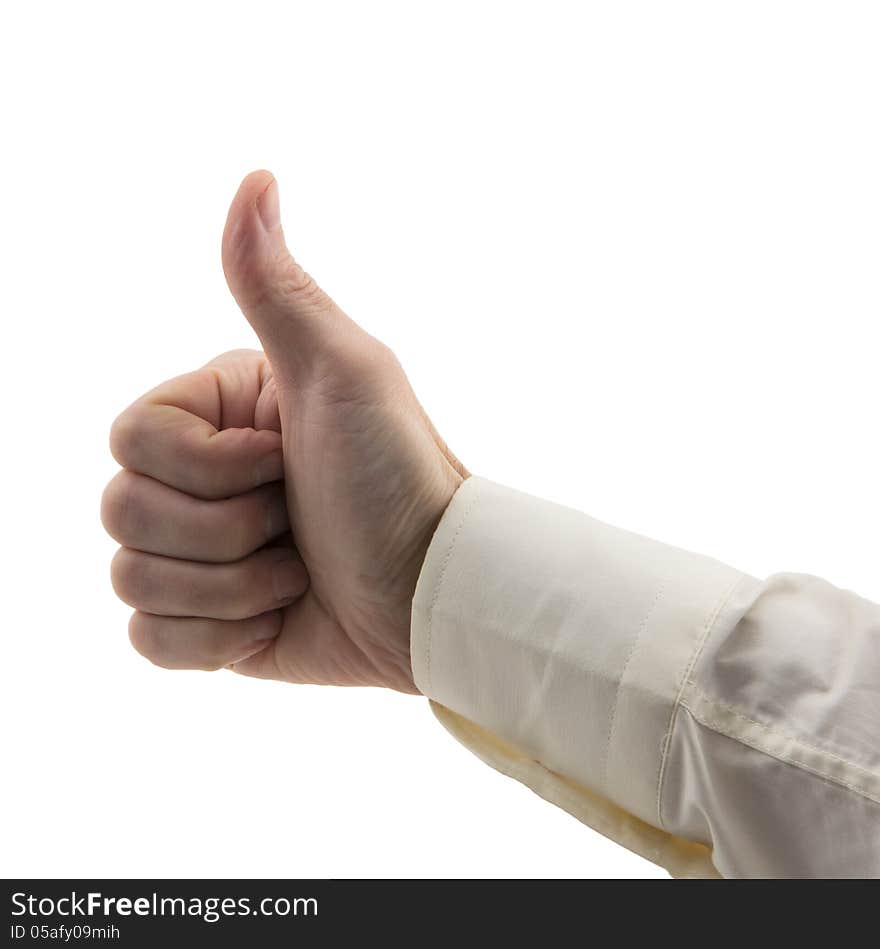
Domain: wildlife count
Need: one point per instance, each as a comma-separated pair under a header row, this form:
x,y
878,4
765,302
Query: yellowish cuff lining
x,y
682,859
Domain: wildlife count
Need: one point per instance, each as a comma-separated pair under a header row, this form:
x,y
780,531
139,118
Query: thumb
x,y
294,319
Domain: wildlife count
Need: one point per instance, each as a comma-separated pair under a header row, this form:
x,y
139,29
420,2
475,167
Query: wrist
x,y
421,547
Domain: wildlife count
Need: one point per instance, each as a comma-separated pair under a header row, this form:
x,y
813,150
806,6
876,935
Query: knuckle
x,y
112,508
385,360
123,575
116,505
125,433
142,635
300,287
145,636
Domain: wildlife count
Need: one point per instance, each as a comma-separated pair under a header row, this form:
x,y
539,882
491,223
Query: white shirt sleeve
x,y
713,723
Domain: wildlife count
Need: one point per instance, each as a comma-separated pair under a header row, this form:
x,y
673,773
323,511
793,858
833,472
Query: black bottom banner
x,y
261,913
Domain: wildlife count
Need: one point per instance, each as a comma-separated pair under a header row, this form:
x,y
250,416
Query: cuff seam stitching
x,y
441,576
686,675
746,730
642,627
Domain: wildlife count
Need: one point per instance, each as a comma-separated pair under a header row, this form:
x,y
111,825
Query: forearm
x,y
674,703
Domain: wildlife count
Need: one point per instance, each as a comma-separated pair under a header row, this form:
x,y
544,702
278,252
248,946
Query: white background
x,y
628,253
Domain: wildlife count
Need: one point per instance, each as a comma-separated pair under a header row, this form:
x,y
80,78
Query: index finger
x,y
196,432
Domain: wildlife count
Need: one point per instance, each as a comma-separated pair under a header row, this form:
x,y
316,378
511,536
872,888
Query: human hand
x,y
366,479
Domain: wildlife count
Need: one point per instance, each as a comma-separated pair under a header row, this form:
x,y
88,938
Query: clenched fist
x,y
274,509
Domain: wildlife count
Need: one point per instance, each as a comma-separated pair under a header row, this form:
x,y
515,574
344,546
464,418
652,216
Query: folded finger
x,y
174,642
188,453
140,512
199,432
265,580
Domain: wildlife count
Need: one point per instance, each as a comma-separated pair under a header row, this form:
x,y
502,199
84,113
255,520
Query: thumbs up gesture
x,y
274,508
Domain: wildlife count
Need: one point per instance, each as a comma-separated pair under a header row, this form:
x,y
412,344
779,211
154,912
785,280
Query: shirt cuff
x,y
566,637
